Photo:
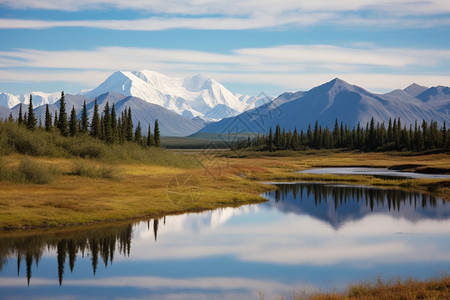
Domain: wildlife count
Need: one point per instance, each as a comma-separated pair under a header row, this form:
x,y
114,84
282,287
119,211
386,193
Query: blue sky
x,y
249,46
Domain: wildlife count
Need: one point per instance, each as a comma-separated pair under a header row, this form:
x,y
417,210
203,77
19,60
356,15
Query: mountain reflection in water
x,y
307,235
338,204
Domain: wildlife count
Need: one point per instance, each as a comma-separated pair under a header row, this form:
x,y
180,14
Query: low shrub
x,y
34,172
28,171
85,169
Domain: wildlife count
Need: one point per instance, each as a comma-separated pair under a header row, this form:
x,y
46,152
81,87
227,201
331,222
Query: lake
x,y
377,172
307,237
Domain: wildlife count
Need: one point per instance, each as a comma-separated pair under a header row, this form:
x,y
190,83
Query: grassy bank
x,y
88,191
283,167
394,289
155,182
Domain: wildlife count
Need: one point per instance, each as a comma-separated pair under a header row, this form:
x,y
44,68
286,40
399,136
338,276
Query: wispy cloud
x,y
288,66
238,15
236,7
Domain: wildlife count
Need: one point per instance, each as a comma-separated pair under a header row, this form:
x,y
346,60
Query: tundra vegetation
x,y
81,171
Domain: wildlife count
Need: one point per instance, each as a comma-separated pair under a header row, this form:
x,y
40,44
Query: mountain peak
x,y
415,89
195,95
333,87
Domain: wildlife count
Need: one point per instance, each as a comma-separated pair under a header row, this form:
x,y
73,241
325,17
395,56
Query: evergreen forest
x,y
106,126
373,136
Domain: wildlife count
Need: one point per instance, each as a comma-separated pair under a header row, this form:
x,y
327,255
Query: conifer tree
x,y
55,121
95,122
114,125
107,126
138,134
129,126
31,121
84,119
270,140
156,135
20,117
73,124
63,124
48,119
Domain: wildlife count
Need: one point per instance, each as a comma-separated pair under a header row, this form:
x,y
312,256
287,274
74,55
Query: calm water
x,y
307,237
379,172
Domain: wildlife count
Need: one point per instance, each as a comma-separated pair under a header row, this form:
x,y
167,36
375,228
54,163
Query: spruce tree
x,y
20,117
63,124
129,126
55,121
138,134
156,135
107,126
114,125
84,119
73,124
270,140
48,119
95,122
31,121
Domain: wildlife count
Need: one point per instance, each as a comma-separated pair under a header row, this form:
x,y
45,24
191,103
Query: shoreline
x,y
143,191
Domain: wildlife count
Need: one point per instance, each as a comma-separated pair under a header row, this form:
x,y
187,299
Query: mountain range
x,y
185,106
193,96
348,103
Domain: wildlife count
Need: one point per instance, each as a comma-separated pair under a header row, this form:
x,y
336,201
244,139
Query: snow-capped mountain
x,y
339,100
39,98
192,96
8,100
170,123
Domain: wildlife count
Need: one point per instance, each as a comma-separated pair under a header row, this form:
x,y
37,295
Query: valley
x,y
146,190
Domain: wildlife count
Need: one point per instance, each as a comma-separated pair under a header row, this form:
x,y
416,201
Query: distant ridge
x,y
340,100
170,123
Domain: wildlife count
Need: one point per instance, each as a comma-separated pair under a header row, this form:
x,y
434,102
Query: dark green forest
x,y
371,137
107,126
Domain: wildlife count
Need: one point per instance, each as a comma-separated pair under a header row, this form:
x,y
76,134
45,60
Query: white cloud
x,y
236,7
290,67
238,15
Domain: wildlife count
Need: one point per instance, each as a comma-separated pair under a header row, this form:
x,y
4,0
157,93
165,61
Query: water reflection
x,y
307,236
337,204
98,242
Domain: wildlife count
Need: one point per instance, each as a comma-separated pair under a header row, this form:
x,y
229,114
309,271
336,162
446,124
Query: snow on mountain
x,y
8,100
337,99
170,123
39,98
192,96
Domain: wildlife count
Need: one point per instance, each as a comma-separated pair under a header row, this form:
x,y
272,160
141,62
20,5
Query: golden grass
x,y
143,191
409,289
273,168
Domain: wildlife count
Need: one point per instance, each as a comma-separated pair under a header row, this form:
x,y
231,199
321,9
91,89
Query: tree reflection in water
x,y
334,204
337,204
96,242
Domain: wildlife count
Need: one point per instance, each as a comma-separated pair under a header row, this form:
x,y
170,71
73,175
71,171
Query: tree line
x,y
371,137
107,126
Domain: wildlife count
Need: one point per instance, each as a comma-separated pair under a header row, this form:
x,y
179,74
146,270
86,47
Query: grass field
x,y
394,289
87,191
